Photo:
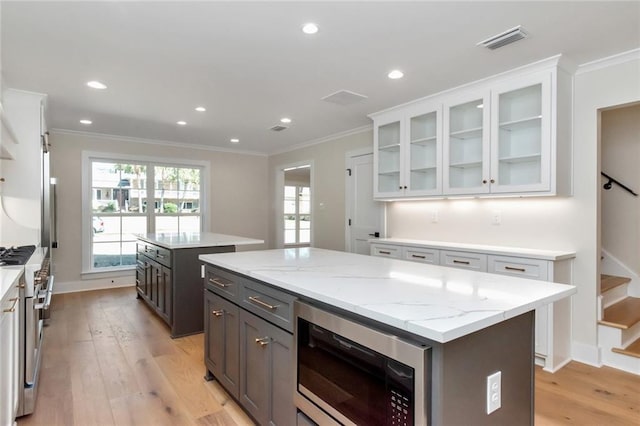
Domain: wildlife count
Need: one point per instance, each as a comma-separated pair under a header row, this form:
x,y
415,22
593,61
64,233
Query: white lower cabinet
x,y
553,322
9,346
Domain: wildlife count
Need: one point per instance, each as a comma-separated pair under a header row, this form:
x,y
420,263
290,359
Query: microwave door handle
x,y
54,215
349,346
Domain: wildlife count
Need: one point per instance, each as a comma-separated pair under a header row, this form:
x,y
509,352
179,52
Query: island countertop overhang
x,y
434,302
180,240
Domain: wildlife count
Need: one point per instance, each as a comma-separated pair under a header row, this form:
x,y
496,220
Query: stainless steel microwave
x,y
348,373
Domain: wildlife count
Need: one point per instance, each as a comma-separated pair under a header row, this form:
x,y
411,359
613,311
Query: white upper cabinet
x,y
466,144
506,135
521,135
408,148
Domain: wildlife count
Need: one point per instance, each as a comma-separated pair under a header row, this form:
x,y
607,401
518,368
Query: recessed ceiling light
x,y
201,109
181,123
96,85
395,74
285,120
86,122
234,140
480,106
310,28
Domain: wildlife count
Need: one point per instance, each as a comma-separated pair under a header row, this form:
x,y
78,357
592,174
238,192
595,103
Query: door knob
x,y
375,234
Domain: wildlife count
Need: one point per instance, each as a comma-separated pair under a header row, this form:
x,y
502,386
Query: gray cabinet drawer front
x,y
163,256
223,283
268,303
464,260
431,256
386,251
535,269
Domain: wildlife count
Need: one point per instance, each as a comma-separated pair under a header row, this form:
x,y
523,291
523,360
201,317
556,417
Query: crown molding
x,y
324,139
620,58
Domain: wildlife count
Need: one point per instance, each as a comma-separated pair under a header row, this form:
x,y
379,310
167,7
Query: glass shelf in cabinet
x,y
389,172
423,141
466,165
390,147
520,158
467,133
523,123
423,169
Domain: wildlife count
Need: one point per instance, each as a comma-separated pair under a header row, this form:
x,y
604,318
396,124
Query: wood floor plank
x,y
109,360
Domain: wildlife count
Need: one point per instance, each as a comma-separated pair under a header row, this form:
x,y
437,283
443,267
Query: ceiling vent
x,y
278,128
502,39
344,97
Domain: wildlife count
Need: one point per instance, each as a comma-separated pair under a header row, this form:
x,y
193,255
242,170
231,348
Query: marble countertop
x,y
8,278
432,301
480,248
196,239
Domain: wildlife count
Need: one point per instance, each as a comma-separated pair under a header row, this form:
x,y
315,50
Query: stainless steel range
x,y
35,297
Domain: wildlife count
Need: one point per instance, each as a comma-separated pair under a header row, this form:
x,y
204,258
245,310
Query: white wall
x,y
328,181
620,159
238,197
563,223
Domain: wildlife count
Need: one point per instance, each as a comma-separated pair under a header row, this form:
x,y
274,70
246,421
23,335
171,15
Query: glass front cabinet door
x,y
424,152
387,175
521,135
466,145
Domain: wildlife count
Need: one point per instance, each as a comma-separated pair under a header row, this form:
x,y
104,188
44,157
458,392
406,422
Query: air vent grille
x,y
344,97
278,128
504,38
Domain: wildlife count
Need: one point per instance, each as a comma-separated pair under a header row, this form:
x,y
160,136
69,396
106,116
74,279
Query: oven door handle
x,y
46,296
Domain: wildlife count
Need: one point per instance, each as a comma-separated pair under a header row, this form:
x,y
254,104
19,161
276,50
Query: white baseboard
x,y
586,354
97,284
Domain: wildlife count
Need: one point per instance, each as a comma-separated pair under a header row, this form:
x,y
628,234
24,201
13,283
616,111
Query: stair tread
x,y
633,349
607,282
623,314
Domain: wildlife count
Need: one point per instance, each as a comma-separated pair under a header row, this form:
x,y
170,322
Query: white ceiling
x,y
249,64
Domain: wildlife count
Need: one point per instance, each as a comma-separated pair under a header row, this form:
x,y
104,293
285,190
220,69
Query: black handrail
x,y
607,185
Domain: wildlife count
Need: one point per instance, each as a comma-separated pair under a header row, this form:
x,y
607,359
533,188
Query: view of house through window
x,y
121,193
297,207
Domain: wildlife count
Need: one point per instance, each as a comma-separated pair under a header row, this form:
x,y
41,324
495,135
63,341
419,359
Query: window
x,y
297,215
121,191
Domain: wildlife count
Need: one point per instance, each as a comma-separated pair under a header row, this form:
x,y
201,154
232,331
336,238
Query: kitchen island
x,y
476,324
168,275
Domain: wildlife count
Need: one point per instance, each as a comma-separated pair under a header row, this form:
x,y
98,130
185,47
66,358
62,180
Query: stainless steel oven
x,y
348,373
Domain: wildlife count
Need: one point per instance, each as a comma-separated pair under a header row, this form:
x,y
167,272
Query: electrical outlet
x,y
496,217
494,392
434,216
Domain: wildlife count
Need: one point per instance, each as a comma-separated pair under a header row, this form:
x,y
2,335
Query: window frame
x,y
88,158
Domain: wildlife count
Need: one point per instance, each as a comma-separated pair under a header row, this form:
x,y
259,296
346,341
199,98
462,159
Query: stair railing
x,y
607,186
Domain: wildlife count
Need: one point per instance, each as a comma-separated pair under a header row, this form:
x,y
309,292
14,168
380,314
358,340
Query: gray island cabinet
x,y
168,274
472,325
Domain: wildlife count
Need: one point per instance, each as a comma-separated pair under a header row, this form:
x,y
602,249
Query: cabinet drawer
x,y
386,251
223,283
535,269
141,247
163,256
464,260
268,303
422,255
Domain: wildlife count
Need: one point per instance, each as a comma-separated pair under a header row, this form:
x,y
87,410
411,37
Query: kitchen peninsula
x,y
168,275
476,324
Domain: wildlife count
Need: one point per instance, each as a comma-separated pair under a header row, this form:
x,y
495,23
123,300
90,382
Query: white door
x,y
365,217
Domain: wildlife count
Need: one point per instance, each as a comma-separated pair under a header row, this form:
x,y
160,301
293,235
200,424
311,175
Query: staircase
x,y
619,326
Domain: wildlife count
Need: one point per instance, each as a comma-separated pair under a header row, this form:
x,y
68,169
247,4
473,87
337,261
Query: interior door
x,y
365,217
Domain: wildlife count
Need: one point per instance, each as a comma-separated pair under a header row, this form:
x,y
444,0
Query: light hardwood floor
x,y
109,361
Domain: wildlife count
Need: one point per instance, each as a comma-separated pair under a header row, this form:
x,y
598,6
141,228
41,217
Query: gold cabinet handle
x,y
137,281
462,262
161,256
384,252
262,341
259,302
510,268
418,256
13,307
218,283
218,313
